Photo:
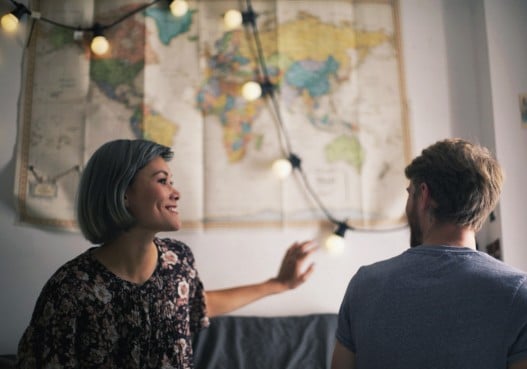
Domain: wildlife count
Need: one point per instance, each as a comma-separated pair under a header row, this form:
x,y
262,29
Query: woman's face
x,y
152,200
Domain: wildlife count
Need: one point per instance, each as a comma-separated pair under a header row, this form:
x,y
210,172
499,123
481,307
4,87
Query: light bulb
x,y
178,8
282,168
233,19
100,45
335,244
9,23
251,90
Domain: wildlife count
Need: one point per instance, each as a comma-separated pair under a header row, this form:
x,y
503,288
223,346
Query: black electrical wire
x,y
90,29
265,72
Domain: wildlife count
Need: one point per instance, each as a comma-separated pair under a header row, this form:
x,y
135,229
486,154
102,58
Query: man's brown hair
x,y
464,179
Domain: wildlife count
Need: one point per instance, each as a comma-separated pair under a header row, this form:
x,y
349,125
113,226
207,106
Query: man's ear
x,y
426,196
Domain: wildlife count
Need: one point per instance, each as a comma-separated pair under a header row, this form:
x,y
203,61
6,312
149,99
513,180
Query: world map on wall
x,y
177,81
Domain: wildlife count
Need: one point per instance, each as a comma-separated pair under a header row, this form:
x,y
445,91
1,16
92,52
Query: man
x,y
440,304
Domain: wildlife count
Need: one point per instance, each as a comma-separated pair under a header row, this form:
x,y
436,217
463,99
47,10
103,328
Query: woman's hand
x,y
293,271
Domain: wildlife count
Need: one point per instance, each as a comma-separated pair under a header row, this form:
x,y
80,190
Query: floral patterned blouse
x,y
87,317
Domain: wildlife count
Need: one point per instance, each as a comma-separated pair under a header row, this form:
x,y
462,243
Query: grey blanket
x,y
291,342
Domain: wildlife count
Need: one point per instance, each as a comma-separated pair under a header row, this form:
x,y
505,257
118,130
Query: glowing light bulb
x,y
335,244
100,45
251,90
233,19
9,23
282,168
178,8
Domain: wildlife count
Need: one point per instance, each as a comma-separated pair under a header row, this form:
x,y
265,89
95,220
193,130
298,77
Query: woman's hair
x,y
464,179
101,211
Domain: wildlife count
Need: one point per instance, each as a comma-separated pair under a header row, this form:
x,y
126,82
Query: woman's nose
x,y
174,195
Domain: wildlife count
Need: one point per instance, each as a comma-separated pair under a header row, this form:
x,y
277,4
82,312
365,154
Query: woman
x,y
136,300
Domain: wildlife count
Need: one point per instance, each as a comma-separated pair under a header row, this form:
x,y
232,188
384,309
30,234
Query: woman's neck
x,y
129,257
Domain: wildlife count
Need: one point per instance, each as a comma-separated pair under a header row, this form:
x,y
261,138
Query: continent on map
x,y
347,149
227,70
119,75
158,129
169,26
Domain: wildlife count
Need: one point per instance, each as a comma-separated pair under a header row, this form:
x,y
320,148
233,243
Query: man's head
x,y
463,179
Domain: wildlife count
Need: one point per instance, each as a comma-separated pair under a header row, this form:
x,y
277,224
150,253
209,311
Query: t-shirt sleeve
x,y
49,339
345,317
518,325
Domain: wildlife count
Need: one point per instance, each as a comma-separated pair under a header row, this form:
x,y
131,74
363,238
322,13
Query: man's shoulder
x,y
388,263
497,268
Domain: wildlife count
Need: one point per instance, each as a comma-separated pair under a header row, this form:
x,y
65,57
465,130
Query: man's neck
x,y
450,235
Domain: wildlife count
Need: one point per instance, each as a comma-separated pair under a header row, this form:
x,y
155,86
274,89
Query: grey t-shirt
x,y
436,307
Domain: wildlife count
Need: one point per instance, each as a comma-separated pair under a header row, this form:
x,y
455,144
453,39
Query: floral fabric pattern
x,y
87,317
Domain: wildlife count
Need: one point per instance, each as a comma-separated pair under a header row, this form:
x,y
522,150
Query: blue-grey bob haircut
x,y
101,210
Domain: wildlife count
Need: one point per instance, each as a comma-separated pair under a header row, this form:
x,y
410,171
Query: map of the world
x,y
338,101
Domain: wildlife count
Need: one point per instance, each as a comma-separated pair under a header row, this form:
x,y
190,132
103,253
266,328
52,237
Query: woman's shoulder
x,y
73,272
172,250
171,244
67,284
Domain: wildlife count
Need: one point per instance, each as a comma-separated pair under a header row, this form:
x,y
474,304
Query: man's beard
x,y
416,233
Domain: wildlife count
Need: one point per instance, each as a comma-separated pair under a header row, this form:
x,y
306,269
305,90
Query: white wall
x,y
506,32
471,113
28,256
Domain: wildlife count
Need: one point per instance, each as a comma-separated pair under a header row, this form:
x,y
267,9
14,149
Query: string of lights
x,y
261,88
291,162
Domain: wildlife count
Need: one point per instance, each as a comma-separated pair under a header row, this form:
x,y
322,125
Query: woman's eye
x,y
165,181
